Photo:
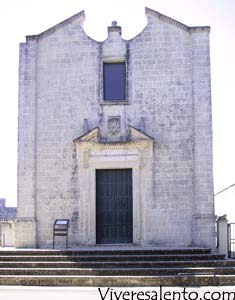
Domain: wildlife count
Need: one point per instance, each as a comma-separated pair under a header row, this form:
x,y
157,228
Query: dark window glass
x,y
114,81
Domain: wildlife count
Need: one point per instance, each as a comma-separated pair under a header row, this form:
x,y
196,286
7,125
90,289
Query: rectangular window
x,y
114,81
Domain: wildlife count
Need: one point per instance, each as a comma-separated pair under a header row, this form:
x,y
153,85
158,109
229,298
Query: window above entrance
x,y
114,81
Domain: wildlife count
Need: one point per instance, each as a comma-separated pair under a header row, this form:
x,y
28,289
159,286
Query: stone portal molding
x,y
94,152
89,136
93,138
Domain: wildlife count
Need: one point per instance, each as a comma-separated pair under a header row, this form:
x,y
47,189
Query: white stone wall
x,y
161,77
67,80
168,88
7,229
204,219
26,146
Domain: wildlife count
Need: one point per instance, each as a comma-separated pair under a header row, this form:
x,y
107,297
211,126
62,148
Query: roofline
x,y
56,27
149,11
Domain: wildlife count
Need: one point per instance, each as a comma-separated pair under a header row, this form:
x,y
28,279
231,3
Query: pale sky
x,y
26,17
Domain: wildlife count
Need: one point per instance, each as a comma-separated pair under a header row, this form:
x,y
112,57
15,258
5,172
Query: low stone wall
x,y
7,230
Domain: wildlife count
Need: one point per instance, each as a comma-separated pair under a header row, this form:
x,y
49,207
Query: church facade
x,y
116,136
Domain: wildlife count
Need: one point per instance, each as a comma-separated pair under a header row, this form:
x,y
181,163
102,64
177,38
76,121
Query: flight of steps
x,y
126,267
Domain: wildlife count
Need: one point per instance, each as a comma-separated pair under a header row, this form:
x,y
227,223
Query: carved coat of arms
x,y
114,126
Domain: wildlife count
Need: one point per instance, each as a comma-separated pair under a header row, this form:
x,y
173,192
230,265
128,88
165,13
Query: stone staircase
x,y
105,267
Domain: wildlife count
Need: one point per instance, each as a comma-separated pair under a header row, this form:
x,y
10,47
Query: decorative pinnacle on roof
x,y
115,28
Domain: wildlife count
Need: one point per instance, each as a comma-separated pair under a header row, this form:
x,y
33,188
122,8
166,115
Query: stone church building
x,y
116,136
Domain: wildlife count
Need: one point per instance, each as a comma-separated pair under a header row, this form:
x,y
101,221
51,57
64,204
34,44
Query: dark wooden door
x,y
114,212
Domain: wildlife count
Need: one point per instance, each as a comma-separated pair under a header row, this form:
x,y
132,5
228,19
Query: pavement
x,y
87,293
102,247
47,293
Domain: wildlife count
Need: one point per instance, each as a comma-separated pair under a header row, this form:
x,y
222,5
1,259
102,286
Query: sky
x,y
29,17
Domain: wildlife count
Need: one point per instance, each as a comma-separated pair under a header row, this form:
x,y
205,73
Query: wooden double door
x,y
114,206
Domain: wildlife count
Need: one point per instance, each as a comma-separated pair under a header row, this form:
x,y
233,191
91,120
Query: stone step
x,y
120,281
142,251
117,267
123,264
116,272
112,258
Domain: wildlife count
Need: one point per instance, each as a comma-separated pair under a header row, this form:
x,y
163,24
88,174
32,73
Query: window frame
x,y
106,100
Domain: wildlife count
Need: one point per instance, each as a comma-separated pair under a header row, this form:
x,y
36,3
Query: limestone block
x,y
7,233
25,233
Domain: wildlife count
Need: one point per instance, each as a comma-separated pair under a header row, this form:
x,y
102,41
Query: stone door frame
x,y
93,155
117,164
